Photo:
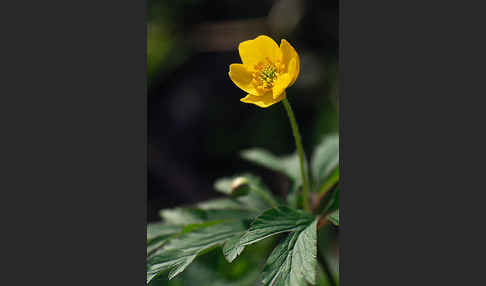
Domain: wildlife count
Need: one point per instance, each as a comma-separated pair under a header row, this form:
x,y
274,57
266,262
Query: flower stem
x,y
300,150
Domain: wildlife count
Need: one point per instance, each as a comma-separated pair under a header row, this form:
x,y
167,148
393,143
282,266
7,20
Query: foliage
x,y
225,241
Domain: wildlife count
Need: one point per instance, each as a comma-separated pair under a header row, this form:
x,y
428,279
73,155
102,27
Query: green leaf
x,y
158,234
294,196
159,228
333,203
334,217
271,222
157,242
293,261
329,183
212,270
182,216
185,216
232,248
205,227
288,165
275,221
325,159
247,205
180,252
222,203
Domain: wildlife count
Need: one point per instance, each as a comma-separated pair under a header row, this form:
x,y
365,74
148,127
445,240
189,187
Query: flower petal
x,y
289,53
242,78
258,49
263,101
282,82
293,70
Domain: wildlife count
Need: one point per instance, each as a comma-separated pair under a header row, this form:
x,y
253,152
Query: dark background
x,y
197,125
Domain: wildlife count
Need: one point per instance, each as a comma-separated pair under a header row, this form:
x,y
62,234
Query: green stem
x,y
300,150
327,269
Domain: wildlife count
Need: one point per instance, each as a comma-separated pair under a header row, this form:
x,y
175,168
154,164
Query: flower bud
x,y
239,187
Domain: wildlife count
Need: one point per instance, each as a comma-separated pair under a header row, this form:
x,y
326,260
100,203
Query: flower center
x,y
268,74
265,74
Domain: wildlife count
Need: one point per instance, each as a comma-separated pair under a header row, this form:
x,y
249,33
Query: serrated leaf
x,y
305,253
334,217
157,242
151,277
293,261
180,252
325,159
158,234
232,248
202,273
275,221
288,165
271,222
160,241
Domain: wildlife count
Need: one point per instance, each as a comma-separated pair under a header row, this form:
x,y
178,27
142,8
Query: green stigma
x,y
268,74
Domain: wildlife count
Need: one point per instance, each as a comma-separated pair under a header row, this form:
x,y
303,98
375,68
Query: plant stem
x,y
300,150
327,269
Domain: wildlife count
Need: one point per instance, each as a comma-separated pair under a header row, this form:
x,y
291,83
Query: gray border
x,y
75,143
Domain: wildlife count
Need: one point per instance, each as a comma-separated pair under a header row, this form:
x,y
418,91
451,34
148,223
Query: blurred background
x,y
197,125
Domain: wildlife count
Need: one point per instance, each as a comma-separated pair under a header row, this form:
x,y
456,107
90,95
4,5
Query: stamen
x,y
265,74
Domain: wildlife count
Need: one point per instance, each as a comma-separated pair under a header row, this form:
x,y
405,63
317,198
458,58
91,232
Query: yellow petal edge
x,y
262,101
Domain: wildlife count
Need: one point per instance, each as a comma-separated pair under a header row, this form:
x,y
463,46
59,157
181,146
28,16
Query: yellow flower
x,y
267,70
